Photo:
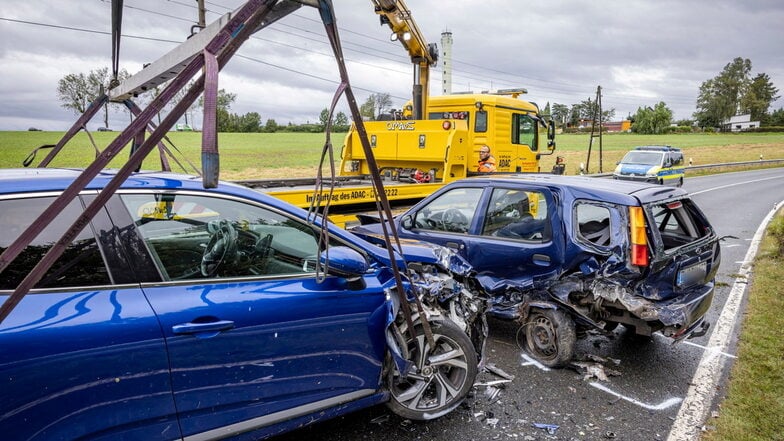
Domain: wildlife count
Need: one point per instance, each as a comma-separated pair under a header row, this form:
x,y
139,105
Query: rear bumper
x,y
684,314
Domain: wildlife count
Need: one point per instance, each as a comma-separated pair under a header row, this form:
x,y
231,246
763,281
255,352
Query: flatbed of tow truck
x,y
348,196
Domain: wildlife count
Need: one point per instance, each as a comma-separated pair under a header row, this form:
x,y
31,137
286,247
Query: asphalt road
x,y
656,391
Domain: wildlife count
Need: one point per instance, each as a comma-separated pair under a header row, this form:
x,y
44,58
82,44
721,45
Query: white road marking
x,y
663,405
735,184
531,362
731,245
703,347
709,349
702,389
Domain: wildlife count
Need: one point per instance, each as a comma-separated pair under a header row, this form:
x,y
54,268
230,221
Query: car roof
x,y
597,188
28,180
659,148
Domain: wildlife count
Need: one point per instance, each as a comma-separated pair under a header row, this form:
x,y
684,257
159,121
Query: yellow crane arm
x,y
397,16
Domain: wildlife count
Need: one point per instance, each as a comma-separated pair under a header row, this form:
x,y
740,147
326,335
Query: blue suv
x,y
185,313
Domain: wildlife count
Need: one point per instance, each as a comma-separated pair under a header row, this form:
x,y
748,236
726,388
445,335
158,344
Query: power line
x,y
91,31
467,79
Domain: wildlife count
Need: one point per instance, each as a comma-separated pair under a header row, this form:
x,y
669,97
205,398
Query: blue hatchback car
x,y
185,313
564,254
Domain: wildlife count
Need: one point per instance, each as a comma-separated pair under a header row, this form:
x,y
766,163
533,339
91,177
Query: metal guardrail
x,y
736,164
709,166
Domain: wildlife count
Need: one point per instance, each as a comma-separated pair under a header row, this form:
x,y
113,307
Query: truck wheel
x,y
550,337
443,375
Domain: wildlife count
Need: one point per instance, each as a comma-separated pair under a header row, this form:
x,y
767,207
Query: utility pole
x,y
202,18
597,118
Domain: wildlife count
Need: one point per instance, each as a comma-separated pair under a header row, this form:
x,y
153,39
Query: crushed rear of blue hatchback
x,y
180,312
566,254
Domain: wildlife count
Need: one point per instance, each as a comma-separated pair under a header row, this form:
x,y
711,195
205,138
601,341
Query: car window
x,y
193,237
642,157
517,214
593,223
81,263
452,211
679,223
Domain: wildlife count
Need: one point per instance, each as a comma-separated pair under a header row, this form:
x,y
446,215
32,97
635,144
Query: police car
x,y
656,164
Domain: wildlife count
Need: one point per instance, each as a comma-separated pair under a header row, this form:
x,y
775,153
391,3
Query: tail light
x,y
639,237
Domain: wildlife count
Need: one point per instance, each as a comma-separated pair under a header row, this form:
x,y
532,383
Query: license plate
x,y
692,275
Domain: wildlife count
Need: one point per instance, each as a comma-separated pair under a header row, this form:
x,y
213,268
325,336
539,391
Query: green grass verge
x,y
263,155
754,406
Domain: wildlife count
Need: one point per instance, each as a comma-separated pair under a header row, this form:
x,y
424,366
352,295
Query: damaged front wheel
x,y
441,377
550,337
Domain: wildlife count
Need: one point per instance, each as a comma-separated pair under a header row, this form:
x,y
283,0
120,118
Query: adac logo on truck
x,y
400,125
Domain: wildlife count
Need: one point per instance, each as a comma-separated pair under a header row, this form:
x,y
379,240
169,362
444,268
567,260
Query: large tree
x,y
560,114
652,121
758,97
226,121
368,109
586,110
375,105
77,91
733,91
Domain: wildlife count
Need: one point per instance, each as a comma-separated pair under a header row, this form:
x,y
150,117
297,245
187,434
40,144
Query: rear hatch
x,y
685,250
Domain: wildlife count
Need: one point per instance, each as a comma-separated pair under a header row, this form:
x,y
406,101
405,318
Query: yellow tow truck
x,y
433,141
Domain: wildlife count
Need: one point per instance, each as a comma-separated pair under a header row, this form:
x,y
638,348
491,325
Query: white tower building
x,y
446,63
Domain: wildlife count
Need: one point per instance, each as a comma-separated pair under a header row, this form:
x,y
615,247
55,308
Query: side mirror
x,y
344,262
407,222
551,135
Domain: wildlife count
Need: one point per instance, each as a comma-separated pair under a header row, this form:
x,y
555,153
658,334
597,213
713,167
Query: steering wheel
x,y
452,217
221,247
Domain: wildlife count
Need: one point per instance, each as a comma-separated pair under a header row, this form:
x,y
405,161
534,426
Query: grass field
x,y
276,155
754,407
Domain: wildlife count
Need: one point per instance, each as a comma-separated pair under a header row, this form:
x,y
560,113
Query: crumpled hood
x,y
418,251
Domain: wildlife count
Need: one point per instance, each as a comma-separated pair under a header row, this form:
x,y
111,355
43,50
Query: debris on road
x,y
593,370
550,428
492,368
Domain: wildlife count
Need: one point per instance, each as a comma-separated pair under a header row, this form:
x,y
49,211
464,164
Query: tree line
x,y
734,91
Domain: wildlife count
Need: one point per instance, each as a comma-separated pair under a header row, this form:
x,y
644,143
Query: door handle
x,y
454,245
541,259
198,328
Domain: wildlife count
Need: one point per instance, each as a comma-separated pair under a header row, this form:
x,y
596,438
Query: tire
x,y
434,389
550,337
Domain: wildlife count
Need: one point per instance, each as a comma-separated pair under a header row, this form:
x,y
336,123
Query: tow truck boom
x,y
397,16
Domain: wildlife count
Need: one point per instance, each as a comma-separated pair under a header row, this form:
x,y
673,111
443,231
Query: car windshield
x,y
643,158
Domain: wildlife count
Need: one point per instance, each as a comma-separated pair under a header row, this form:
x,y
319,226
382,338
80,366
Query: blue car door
x,y
509,234
254,338
82,354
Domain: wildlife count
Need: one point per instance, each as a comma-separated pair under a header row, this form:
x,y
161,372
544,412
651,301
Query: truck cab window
x,y
524,131
481,121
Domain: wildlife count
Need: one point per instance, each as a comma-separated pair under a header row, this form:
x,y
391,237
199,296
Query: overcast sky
x,y
640,52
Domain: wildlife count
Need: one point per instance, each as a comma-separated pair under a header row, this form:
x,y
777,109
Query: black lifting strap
x,y
382,202
117,7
